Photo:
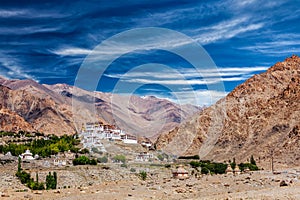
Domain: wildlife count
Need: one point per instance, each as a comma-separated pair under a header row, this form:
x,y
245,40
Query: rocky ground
x,y
98,182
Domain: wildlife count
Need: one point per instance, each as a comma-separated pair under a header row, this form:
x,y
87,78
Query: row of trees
x,y
250,165
207,166
220,168
25,178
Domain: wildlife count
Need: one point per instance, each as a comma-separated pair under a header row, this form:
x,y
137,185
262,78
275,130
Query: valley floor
x,y
119,183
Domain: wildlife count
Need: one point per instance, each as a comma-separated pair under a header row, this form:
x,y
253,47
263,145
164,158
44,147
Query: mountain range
x,y
63,109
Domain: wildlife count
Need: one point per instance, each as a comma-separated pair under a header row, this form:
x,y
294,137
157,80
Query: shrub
x,y
93,162
23,176
84,151
204,170
160,157
124,165
35,185
120,158
143,175
95,150
83,160
103,159
167,166
132,170
250,166
195,164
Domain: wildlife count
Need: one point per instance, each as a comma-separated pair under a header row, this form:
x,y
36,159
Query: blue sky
x,y
48,42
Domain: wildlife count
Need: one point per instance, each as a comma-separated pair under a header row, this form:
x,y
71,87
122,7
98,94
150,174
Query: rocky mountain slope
x,y
147,116
21,110
260,117
62,109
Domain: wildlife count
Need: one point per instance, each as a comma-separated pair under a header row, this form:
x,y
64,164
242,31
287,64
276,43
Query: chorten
x,y
237,170
229,169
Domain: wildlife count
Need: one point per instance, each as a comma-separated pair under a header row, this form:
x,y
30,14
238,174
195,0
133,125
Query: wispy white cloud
x,y
12,69
226,30
188,76
281,44
72,51
27,30
31,13
186,82
11,13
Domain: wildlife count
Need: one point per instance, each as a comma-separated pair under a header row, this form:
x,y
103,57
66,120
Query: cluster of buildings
x,y
59,160
93,133
144,157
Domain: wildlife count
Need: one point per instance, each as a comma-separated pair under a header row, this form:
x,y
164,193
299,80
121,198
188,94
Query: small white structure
x,y
146,144
144,157
60,163
129,139
229,169
180,173
46,164
237,170
27,155
246,170
8,154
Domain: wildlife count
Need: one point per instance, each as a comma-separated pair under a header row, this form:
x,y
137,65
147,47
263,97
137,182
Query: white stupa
x,y
27,155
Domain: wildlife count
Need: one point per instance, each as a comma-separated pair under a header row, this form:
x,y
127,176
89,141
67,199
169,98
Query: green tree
x,y
233,164
120,158
50,182
204,170
83,160
37,177
252,161
195,164
143,175
55,179
19,165
93,162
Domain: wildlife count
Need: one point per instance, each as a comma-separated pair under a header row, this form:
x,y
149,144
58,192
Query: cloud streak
x,y
189,76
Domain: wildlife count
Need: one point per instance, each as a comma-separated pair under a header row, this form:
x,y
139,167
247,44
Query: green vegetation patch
x,y
43,147
83,160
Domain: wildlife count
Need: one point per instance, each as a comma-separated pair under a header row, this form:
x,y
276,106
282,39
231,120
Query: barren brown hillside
x,y
259,117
